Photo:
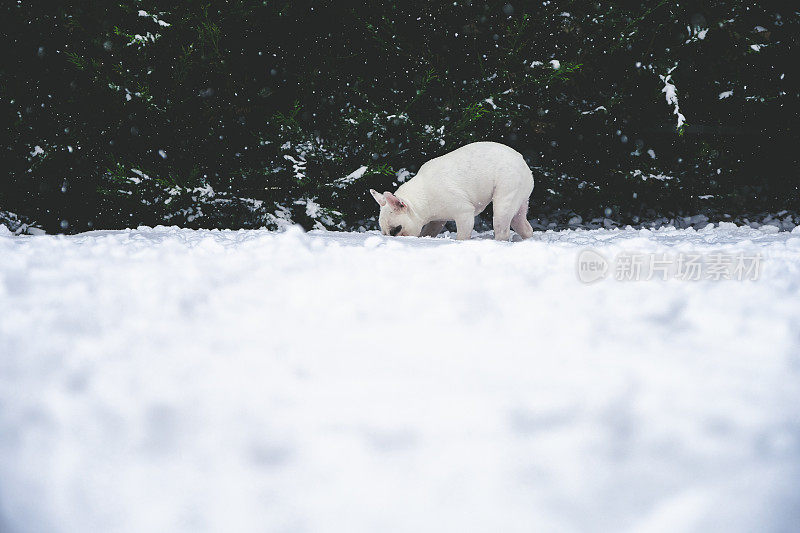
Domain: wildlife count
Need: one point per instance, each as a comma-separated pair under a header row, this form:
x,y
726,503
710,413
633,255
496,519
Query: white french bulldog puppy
x,y
458,186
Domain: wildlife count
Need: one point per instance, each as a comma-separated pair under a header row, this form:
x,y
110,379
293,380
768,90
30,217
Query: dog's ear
x,y
395,202
381,199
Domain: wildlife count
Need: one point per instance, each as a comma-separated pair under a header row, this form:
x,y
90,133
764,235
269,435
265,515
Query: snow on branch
x,y
341,183
143,13
299,167
671,94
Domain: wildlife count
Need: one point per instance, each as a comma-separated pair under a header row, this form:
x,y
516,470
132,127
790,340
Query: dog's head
x,y
397,218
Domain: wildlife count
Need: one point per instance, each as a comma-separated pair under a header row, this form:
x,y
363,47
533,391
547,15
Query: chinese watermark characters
x,y
634,266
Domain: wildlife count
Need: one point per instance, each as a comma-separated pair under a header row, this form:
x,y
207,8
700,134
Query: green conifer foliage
x,y
252,113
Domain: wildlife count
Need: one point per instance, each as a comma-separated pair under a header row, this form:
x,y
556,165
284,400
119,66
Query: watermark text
x,y
593,266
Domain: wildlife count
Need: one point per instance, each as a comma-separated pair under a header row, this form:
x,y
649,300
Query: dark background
x,y
194,123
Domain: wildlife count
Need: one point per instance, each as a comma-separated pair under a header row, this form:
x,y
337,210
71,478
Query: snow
x,y
163,379
595,110
695,34
142,40
403,175
298,166
671,95
141,176
155,18
350,178
649,175
313,209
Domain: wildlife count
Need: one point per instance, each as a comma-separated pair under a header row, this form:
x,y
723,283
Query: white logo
x,y
591,266
637,266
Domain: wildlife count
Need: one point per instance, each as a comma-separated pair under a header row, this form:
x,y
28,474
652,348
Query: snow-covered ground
x,y
187,381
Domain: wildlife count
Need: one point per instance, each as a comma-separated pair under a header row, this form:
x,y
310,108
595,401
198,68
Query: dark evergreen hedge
x,y
248,113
